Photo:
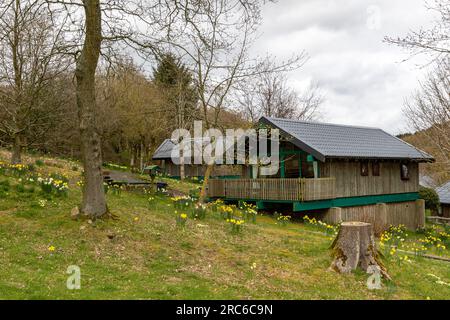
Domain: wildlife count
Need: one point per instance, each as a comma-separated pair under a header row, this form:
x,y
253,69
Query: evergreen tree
x,y
176,81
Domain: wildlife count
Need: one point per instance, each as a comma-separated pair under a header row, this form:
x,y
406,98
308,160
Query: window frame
x,y
404,175
364,165
376,168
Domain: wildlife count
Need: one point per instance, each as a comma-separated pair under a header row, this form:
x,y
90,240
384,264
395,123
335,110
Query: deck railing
x,y
290,189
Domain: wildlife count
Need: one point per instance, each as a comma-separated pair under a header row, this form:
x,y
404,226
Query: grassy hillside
x,y
144,254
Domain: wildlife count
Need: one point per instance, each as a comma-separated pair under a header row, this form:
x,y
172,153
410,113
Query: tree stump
x,y
355,247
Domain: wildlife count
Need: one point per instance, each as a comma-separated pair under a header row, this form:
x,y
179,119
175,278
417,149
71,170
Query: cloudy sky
x,y
364,80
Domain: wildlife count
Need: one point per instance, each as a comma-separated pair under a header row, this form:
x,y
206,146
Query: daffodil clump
x,y
182,202
114,188
249,211
226,211
283,219
393,237
199,211
236,225
329,229
50,185
181,219
215,205
396,238
17,170
437,238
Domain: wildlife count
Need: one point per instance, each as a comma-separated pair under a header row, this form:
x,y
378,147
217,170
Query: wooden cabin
x,y
163,154
339,172
444,198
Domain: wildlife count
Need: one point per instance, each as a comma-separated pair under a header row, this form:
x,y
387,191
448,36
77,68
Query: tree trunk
x,y
132,157
182,172
94,202
208,172
355,247
142,155
16,156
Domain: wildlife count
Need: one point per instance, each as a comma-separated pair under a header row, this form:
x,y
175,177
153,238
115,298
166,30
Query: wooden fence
x,y
273,189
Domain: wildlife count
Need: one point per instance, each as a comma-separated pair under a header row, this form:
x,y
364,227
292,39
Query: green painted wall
x,y
339,202
355,201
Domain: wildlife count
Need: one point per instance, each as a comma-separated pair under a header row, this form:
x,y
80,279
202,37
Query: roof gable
x,y
444,193
324,140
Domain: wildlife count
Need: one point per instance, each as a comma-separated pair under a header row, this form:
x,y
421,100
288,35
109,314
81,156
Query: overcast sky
x,y
363,79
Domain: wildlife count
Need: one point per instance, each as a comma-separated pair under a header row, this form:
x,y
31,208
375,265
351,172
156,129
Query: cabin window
x,y
365,168
376,169
404,171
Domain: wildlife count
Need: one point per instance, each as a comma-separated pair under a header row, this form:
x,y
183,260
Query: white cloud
x,y
363,79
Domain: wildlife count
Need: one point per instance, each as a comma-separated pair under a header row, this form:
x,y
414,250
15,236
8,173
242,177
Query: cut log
x,y
354,247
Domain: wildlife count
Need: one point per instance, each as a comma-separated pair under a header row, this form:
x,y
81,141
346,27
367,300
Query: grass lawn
x,y
145,255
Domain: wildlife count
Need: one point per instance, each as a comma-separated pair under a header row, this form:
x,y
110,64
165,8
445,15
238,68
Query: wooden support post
x,y
283,168
335,215
381,218
260,205
420,214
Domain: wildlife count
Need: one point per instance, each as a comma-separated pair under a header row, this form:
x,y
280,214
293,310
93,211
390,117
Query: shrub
x,y
431,198
39,163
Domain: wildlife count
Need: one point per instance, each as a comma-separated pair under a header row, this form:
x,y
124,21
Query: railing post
x,y
225,188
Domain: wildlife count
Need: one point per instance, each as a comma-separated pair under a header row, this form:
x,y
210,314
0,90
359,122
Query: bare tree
x,y
29,71
270,95
105,27
214,38
211,36
429,112
434,42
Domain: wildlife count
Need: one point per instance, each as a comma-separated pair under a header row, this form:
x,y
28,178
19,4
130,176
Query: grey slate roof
x,y
164,150
324,140
427,181
444,193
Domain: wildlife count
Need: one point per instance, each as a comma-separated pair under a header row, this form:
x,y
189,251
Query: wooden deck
x,y
273,189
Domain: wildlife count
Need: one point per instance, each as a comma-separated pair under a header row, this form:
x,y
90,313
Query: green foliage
x,y
176,80
57,176
20,188
5,185
39,163
199,212
431,198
